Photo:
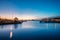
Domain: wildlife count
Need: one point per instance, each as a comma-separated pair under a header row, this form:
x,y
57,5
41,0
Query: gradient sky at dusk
x,y
29,8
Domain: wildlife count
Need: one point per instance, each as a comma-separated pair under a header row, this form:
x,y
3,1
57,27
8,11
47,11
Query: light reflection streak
x,y
10,34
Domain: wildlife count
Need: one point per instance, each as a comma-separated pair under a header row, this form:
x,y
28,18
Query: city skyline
x,y
29,9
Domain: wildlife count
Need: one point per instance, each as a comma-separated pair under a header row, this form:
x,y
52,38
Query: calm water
x,y
31,30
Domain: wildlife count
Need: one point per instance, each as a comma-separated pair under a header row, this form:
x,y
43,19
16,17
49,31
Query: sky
x,y
29,9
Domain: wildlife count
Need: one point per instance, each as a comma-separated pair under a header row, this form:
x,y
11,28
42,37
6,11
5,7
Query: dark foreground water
x,y
31,30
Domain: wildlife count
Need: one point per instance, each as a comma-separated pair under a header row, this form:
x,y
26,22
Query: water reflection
x,y
9,27
15,26
1,26
11,34
47,25
29,25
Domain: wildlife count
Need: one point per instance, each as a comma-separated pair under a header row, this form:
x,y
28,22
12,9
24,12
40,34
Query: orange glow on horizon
x,y
19,18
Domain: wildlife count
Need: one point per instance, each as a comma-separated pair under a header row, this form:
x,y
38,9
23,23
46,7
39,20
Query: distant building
x,y
54,20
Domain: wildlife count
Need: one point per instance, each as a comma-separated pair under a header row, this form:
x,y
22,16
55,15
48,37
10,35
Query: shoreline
x,y
11,23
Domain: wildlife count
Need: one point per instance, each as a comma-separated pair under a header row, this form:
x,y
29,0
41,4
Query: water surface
x,y
30,30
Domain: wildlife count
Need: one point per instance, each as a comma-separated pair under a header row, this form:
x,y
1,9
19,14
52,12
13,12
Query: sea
x,y
30,30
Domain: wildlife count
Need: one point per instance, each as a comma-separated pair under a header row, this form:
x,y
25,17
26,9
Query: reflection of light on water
x,y
10,34
27,25
11,28
7,27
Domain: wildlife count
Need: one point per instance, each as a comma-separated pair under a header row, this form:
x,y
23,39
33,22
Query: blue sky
x,y
29,8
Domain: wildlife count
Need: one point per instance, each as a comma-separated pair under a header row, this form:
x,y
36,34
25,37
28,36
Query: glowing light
x,y
10,34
